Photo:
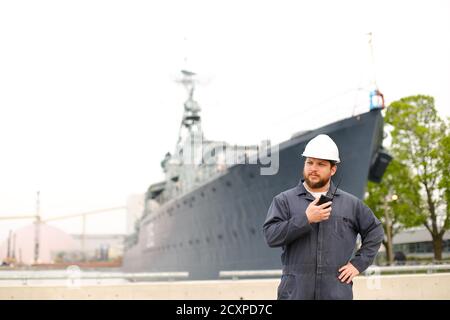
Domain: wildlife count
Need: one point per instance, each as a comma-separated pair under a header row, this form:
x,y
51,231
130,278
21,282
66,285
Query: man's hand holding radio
x,y
316,213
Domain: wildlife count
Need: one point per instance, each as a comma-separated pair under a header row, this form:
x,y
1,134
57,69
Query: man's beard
x,y
316,185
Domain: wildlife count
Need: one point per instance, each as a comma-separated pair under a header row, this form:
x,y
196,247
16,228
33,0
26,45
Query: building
x,y
417,243
99,247
20,245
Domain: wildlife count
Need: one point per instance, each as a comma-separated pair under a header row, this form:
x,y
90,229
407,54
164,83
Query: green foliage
x,y
420,173
405,211
444,167
420,141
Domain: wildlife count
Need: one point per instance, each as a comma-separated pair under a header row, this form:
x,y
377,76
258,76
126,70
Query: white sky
x,y
89,106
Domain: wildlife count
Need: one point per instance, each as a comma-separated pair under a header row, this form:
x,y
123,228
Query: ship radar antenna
x,y
189,82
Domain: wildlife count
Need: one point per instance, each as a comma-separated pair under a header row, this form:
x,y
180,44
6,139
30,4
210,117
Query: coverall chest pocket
x,y
342,226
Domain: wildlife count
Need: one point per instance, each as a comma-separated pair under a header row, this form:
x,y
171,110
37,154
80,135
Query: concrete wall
x,y
419,286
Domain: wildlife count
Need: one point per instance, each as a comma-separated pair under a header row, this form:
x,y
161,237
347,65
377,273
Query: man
x,y
319,241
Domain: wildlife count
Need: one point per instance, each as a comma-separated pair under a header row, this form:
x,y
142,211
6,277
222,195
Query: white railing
x,y
76,274
250,273
430,268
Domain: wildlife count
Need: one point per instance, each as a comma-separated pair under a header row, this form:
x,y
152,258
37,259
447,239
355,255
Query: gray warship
x,y
207,215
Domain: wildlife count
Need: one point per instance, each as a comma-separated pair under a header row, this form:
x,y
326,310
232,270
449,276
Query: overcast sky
x,y
89,104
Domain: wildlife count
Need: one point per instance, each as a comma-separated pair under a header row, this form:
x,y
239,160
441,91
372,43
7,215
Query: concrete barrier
x,y
415,287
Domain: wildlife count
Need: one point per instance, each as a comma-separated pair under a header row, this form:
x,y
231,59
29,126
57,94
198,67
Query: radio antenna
x,y
340,180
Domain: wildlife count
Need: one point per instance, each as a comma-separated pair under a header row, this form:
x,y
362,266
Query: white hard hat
x,y
322,147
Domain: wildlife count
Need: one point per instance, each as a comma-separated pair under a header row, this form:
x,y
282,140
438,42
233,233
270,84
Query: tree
x,y
396,202
444,167
420,141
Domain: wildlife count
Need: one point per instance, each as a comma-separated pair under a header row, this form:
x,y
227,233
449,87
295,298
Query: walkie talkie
x,y
323,199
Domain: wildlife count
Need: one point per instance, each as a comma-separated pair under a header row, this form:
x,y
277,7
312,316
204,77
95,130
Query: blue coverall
x,y
313,253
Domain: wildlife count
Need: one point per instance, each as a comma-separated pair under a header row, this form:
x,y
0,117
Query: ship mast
x,y
376,97
190,128
189,145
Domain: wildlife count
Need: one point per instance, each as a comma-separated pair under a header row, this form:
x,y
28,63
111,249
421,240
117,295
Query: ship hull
x,y
218,226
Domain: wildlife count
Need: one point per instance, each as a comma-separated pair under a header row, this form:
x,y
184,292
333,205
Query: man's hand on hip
x,y
348,272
